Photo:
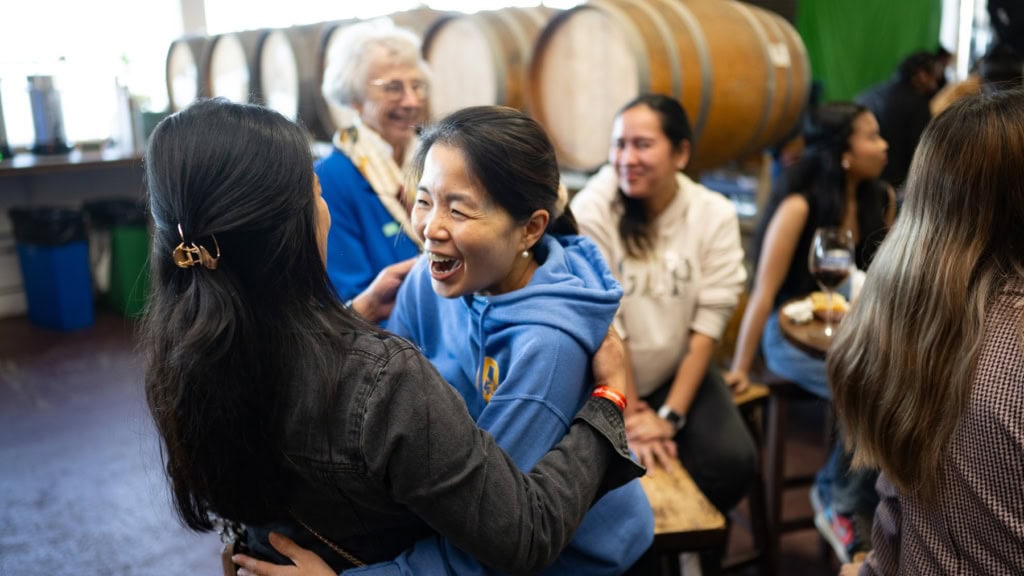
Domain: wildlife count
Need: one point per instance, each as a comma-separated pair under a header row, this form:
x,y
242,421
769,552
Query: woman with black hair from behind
x,y
835,183
280,409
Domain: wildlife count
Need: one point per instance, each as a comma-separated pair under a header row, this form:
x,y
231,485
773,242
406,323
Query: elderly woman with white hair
x,y
376,84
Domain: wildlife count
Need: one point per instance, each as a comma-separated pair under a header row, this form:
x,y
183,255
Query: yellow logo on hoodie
x,y
489,378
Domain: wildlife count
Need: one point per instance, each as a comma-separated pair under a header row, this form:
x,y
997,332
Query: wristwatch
x,y
674,418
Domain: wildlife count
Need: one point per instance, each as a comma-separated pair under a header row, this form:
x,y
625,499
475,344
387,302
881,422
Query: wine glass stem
x,y
828,315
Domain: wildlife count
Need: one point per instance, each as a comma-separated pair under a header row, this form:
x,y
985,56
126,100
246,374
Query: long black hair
x,y
820,177
224,346
634,225
509,154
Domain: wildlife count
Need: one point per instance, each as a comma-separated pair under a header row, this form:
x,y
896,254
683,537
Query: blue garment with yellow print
x,y
521,360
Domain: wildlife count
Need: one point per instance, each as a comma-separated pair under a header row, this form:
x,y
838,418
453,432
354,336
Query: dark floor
x,y
82,490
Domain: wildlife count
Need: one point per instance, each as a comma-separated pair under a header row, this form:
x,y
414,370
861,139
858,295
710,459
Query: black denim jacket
x,y
404,459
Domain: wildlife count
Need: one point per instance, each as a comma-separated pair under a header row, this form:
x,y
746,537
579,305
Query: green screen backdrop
x,y
853,44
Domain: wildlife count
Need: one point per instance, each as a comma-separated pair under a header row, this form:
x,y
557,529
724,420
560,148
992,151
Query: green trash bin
x,y
120,258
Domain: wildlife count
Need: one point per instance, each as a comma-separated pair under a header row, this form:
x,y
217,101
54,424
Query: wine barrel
x,y
482,58
184,74
233,70
419,20
289,76
741,72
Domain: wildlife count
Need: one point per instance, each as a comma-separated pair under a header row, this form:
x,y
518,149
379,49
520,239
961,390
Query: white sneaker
x,y
823,522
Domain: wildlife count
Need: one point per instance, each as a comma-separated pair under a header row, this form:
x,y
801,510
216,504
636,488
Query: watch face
x,y
672,417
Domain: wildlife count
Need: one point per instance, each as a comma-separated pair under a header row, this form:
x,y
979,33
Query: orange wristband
x,y
611,394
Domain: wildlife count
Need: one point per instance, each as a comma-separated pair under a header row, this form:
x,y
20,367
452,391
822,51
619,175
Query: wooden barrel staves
x,y
482,58
741,72
329,34
185,71
419,20
233,70
290,77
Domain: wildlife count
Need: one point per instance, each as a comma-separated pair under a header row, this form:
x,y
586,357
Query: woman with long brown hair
x,y
927,371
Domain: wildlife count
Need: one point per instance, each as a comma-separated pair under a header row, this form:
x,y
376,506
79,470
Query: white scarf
x,y
374,159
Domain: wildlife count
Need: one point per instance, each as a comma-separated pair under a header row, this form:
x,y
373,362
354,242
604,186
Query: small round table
x,y
809,336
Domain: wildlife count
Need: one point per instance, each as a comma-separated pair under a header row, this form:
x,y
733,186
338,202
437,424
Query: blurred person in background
x,y
377,84
1001,68
835,183
675,247
900,105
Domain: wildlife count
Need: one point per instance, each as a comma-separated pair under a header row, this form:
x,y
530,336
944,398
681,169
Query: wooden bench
x,y
684,519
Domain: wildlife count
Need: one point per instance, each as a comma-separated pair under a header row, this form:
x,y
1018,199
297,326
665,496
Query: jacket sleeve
x,y
884,557
722,275
419,438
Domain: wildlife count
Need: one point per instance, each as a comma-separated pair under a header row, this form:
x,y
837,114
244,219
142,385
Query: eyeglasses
x,y
394,90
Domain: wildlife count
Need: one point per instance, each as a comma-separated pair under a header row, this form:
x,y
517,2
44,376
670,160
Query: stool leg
x,y
711,561
759,526
778,412
669,564
757,499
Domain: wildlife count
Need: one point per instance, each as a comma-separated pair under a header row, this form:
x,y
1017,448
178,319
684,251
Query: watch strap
x,y
676,419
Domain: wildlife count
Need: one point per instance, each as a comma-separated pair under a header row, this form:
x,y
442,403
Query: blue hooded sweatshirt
x,y
521,360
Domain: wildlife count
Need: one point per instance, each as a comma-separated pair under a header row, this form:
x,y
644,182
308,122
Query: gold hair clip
x,y
188,256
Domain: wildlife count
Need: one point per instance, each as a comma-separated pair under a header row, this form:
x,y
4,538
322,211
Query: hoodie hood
x,y
572,290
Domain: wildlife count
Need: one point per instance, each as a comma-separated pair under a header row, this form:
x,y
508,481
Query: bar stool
x,y
751,404
766,412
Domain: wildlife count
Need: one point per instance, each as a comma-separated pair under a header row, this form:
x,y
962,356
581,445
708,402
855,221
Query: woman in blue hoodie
x,y
509,304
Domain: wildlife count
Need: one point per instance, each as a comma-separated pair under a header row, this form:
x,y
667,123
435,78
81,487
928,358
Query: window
x,y
92,47
89,47
231,15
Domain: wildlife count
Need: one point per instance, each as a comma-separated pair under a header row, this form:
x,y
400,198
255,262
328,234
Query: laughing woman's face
x,y
474,245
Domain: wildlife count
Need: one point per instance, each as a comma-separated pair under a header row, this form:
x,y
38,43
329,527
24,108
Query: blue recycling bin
x,y
54,258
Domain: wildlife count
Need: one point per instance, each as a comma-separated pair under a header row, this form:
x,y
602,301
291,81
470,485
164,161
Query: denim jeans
x,y
847,491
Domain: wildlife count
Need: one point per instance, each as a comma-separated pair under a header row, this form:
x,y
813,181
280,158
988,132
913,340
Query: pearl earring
x,y
525,254
846,164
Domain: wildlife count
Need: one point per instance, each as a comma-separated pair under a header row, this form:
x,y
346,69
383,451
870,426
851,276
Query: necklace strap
x,y
337,549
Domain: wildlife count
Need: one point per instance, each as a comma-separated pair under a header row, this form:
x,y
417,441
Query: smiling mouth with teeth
x,y
443,265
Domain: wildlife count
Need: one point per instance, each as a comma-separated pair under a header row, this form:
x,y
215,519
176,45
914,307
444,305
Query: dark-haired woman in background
x,y
280,408
675,247
834,184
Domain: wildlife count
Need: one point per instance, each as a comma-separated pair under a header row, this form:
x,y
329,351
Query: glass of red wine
x,y
830,260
